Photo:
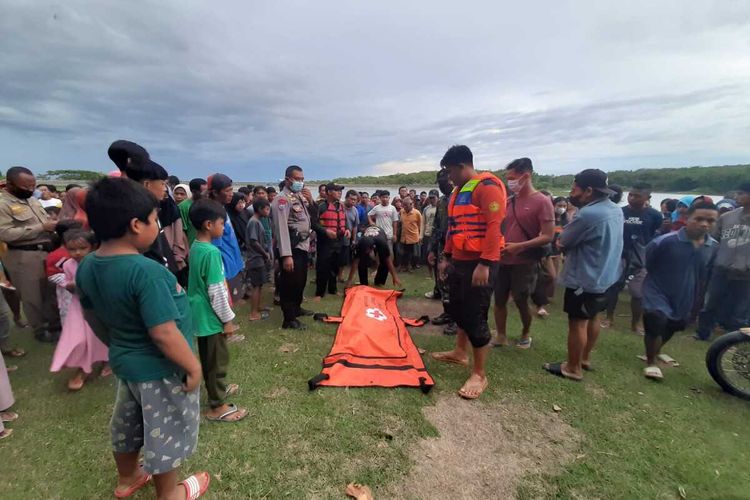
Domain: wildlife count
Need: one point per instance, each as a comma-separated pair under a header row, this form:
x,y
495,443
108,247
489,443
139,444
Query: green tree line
x,y
716,180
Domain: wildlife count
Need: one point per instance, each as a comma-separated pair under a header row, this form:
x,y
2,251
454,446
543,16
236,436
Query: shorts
x,y
158,416
635,284
657,324
469,305
516,280
258,276
584,306
236,287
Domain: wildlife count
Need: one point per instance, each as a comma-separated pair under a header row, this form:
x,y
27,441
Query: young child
x,y
259,257
78,346
54,267
136,306
212,314
677,263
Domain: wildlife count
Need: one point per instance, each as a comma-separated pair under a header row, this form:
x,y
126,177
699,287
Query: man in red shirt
x,y
470,259
529,226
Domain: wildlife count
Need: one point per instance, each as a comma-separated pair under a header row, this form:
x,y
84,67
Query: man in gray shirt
x,y
592,243
728,296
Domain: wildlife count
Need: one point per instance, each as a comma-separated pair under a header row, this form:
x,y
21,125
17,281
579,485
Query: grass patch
x,y
639,439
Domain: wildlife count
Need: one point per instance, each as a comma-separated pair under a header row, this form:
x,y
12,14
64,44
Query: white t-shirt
x,y
52,202
384,218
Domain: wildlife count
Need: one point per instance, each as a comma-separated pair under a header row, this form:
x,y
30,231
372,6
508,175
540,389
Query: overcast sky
x,y
353,87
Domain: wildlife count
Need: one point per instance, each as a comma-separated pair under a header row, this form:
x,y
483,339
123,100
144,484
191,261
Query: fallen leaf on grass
x,y
682,492
421,351
556,408
359,491
287,348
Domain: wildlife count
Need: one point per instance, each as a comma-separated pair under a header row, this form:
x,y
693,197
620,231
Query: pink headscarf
x,y
72,208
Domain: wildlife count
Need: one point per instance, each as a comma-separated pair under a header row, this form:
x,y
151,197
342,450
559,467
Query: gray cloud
x,y
346,88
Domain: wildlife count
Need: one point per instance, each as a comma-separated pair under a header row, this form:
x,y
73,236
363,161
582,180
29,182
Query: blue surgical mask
x,y
297,186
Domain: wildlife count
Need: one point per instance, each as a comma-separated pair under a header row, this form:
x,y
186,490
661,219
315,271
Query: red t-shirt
x,y
531,212
55,260
491,200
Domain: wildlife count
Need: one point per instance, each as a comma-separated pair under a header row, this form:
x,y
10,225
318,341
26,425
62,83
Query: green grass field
x,y
638,439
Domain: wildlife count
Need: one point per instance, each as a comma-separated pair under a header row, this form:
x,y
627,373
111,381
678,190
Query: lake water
x,y
656,198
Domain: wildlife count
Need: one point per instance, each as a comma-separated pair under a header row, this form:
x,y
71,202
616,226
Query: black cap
x,y
435,193
332,186
217,182
595,179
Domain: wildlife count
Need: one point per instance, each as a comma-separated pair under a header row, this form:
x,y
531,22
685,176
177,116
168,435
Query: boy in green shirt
x,y
212,315
137,308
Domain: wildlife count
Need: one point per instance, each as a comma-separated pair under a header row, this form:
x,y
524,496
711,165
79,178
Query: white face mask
x,y
559,210
515,185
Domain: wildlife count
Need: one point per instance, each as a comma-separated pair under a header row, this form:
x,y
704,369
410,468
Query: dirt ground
x,y
484,450
415,308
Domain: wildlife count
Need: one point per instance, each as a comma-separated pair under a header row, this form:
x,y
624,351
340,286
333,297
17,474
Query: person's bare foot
x,y
106,371
500,341
473,387
317,298
451,357
76,383
126,483
359,491
226,413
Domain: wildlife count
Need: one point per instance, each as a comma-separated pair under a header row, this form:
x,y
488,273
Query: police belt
x,y
37,247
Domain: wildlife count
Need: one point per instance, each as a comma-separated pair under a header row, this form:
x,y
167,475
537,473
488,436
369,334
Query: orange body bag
x,y
372,347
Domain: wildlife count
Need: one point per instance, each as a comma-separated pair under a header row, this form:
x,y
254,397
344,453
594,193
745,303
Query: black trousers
x,y
380,276
292,285
327,268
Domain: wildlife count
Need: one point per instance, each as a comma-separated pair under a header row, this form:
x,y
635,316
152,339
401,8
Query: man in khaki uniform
x,y
26,229
292,213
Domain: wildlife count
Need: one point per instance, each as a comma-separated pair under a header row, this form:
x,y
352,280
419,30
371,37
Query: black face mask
x,y
21,193
577,202
445,187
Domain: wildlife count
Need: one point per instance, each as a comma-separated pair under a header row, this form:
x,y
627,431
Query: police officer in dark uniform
x,y
439,231
293,211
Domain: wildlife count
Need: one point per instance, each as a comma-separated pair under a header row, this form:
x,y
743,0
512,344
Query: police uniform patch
x,y
283,203
494,206
17,209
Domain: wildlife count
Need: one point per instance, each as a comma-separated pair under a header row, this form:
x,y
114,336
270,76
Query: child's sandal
x,y
193,488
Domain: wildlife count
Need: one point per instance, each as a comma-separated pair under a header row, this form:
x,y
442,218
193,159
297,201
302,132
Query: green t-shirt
x,y
130,294
190,230
206,268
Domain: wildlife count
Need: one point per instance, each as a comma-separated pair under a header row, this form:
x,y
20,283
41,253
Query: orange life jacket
x,y
467,224
332,217
372,347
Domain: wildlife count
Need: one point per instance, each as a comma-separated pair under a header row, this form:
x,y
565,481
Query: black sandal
x,y
556,369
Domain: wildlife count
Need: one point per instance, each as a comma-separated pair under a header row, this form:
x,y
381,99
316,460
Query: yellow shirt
x,y
411,225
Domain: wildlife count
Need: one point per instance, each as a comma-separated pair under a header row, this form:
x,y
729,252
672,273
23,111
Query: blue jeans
x,y
727,304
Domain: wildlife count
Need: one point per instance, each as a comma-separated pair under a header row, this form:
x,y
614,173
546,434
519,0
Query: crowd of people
x,y
125,275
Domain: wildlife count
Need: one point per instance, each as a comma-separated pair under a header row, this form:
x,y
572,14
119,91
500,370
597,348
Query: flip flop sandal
x,y
234,338
14,353
140,483
643,358
231,411
587,367
666,358
8,416
193,488
6,433
653,372
556,369
232,389
441,357
77,386
524,343
466,396
263,315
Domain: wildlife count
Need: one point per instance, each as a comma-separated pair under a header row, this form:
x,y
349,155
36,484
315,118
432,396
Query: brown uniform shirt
x,y
291,213
21,221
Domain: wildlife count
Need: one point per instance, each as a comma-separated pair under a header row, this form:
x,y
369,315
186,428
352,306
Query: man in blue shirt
x,y
220,189
592,243
641,224
677,263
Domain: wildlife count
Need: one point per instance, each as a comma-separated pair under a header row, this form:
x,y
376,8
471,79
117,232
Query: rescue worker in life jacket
x,y
470,260
331,230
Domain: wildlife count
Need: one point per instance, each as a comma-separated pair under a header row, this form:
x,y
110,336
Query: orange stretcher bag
x,y
372,347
